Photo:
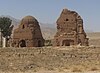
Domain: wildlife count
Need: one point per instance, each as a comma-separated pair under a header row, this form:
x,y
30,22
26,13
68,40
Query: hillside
x,y
94,38
49,30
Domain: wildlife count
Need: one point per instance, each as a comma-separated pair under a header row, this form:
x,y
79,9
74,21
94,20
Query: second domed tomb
x,y
70,30
28,34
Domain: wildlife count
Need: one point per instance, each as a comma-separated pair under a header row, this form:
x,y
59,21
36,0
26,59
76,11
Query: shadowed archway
x,y
67,42
39,44
22,43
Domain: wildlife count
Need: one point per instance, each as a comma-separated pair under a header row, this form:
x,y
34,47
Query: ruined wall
x,y
70,30
48,57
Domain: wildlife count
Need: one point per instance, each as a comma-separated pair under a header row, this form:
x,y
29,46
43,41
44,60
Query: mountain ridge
x,y
48,30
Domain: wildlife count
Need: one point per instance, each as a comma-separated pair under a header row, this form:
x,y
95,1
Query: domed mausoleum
x,y
70,30
28,34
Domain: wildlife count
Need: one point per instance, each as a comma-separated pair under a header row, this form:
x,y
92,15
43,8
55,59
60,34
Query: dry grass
x,y
76,70
94,69
70,60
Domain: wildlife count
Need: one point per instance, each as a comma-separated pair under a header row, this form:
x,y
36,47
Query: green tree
x,y
6,27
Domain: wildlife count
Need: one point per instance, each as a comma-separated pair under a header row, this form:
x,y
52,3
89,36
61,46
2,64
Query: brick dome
x,y
28,34
29,20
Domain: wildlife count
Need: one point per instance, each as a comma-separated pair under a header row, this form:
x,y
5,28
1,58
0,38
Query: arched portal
x,y
67,42
22,43
39,43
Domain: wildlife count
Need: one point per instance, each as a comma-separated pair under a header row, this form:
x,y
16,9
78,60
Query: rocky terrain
x,y
50,59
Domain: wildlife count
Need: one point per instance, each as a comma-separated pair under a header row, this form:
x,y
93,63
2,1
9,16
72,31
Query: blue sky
x,y
47,11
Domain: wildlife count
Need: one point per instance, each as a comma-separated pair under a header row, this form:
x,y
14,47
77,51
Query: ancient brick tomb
x,y
28,34
70,30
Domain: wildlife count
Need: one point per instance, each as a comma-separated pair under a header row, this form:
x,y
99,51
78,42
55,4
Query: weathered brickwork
x,y
70,30
28,34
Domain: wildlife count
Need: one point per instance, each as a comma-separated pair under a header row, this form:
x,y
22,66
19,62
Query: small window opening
x,y
66,19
